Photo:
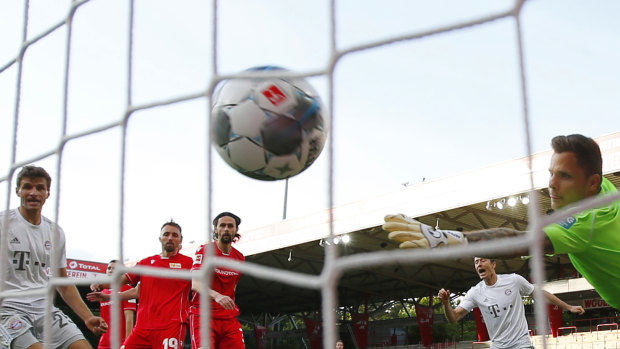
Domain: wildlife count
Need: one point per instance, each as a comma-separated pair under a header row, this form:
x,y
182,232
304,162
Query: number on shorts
x,y
59,319
171,343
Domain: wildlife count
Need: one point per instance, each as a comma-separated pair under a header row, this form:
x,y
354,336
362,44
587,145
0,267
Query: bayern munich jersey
x,y
30,257
502,308
592,241
105,308
162,302
224,281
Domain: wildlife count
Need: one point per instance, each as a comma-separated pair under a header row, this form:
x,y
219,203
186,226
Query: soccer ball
x,y
268,128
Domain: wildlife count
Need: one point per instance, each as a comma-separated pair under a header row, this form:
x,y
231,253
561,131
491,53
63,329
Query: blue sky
x,y
426,108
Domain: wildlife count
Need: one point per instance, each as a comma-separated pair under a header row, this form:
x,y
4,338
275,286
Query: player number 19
x,y
170,343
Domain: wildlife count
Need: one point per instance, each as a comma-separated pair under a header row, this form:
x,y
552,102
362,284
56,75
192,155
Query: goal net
x,y
113,99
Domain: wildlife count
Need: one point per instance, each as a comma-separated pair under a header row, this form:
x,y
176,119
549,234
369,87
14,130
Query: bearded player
x,y
226,332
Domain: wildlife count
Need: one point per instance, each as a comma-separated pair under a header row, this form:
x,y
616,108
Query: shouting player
x,y
499,297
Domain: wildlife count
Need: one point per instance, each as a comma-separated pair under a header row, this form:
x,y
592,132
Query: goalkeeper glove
x,y
413,234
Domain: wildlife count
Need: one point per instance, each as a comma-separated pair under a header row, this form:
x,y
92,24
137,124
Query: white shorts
x,y
21,329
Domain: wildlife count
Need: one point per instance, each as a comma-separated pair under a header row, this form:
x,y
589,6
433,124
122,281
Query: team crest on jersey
x,y
507,292
48,245
567,222
175,265
198,259
16,324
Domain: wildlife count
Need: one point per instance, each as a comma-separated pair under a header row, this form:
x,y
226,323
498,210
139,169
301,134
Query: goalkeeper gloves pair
x,y
413,234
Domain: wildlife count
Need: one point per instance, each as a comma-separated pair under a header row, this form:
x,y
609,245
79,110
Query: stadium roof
x,y
457,202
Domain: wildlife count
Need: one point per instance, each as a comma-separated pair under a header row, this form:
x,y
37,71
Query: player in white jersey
x,y
499,298
32,240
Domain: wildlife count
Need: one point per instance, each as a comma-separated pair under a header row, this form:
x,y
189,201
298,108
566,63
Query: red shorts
x,y
166,338
225,333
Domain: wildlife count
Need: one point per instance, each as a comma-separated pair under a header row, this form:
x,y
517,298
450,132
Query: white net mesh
x,y
112,98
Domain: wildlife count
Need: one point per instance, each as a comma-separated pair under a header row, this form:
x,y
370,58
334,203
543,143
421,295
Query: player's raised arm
x,y
452,314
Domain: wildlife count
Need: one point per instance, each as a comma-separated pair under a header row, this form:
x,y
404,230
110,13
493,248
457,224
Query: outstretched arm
x,y
492,233
497,233
95,286
411,233
452,314
132,293
551,298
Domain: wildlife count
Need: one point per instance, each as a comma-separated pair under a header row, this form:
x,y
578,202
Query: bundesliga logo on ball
x,y
268,128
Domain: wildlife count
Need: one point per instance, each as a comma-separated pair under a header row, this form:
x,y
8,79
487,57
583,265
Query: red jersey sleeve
x,y
135,278
198,257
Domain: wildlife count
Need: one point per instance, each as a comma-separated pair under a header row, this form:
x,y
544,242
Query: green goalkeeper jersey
x,y
592,241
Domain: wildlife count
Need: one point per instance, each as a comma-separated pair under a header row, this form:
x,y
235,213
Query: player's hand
x,y
225,301
95,287
413,234
444,295
96,325
97,297
576,309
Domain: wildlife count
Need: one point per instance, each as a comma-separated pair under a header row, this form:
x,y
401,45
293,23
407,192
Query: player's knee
x,y
33,346
80,344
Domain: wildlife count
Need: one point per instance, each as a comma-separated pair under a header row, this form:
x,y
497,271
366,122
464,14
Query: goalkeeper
x,y
590,238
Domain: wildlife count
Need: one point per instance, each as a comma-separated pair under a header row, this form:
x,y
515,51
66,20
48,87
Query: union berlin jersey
x,y
106,313
162,302
224,281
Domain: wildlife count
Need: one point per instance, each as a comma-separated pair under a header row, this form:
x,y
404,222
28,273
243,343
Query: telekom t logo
x,y
274,95
494,309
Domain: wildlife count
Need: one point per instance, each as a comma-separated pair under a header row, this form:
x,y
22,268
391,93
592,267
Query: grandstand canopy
x,y
386,283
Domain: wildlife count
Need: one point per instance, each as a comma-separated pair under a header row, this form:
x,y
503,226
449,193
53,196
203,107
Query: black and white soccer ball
x,y
268,128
